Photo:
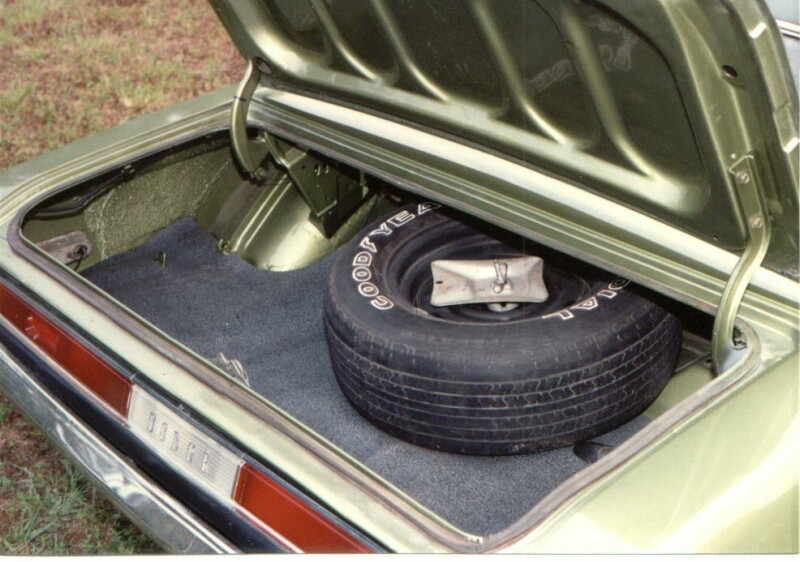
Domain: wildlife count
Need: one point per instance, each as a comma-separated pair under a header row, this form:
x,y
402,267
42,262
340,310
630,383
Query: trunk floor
x,y
272,323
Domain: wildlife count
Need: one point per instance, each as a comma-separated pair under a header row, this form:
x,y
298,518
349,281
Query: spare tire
x,y
467,379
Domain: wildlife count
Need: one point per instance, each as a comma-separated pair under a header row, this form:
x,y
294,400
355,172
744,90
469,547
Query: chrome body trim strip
x,y
165,519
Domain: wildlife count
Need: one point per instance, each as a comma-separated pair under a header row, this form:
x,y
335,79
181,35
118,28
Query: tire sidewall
x,y
364,310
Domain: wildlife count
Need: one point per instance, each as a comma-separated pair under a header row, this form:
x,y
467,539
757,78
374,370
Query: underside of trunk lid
x,y
652,104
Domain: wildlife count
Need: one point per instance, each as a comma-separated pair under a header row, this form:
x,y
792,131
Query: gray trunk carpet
x,y
272,323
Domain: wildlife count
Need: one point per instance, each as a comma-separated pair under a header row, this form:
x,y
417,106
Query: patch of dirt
x,y
103,64
21,445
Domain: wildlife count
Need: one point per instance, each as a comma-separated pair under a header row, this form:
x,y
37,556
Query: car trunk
x,y
234,270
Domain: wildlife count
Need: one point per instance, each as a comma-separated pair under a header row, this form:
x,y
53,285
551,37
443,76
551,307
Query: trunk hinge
x,y
332,190
725,346
250,152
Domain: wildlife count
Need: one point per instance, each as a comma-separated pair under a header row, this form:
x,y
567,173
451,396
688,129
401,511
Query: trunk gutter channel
x,y
557,503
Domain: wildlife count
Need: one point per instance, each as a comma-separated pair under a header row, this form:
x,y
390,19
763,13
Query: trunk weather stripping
x,y
725,347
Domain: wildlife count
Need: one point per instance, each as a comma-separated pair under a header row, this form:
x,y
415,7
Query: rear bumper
x,y
164,518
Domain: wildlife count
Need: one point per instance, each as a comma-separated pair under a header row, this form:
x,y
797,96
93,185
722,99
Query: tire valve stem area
x,y
502,306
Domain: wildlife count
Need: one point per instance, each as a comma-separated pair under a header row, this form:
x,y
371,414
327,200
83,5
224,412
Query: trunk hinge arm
x,y
249,152
333,191
725,348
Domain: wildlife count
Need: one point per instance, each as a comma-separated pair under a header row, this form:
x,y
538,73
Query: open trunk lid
x,y
657,105
615,112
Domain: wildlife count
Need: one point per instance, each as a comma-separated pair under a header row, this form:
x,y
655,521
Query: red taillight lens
x,y
283,515
99,377
288,516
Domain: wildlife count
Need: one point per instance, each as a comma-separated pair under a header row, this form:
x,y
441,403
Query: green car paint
x,y
635,101
717,470
641,102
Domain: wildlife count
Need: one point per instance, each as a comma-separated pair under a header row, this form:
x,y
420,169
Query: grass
x,y
69,68
47,507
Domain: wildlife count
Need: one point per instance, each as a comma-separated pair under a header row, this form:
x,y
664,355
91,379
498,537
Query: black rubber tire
x,y
466,380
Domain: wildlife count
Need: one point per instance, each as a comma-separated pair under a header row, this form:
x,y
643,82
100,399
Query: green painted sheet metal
x,y
647,103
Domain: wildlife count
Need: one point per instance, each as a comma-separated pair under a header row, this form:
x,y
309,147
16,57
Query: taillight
x,y
111,387
295,521
281,514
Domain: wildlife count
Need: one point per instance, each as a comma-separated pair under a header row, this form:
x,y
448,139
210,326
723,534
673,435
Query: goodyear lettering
x,y
362,273
563,314
423,208
362,258
367,245
610,291
368,290
381,303
618,284
382,230
588,304
362,261
402,218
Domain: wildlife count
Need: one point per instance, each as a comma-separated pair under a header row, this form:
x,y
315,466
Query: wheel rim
x,y
410,275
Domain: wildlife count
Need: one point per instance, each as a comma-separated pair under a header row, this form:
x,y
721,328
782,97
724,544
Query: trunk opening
x,y
228,267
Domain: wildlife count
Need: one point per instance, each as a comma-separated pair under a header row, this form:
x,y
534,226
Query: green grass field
x,y
69,68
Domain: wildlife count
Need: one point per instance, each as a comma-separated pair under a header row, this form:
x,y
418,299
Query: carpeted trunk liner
x,y
272,323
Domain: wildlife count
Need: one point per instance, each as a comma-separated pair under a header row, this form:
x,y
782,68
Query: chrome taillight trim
x,y
176,438
164,518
